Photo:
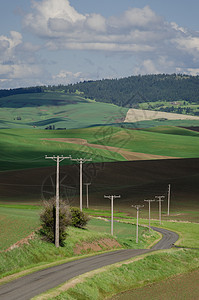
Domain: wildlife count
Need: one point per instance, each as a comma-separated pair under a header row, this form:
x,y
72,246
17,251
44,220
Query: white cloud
x,y
66,77
189,44
96,22
8,44
127,32
16,59
152,44
45,13
137,31
136,18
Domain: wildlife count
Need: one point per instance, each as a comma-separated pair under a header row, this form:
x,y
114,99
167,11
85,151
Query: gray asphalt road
x,y
41,281
168,238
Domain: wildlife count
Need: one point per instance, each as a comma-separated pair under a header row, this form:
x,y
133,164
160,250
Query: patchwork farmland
x,y
136,164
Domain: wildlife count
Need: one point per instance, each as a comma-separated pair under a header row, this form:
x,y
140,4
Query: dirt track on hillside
x,y
128,155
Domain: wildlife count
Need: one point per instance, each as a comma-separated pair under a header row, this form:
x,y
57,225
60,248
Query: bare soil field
x,y
184,286
135,115
133,180
126,154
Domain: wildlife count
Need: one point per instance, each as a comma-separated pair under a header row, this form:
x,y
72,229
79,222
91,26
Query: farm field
x,y
68,111
180,106
160,156
135,115
23,221
17,223
61,110
26,148
179,287
135,181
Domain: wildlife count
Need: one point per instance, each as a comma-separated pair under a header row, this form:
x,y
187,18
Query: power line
x,y
80,161
149,201
57,159
137,207
169,197
87,184
160,199
112,197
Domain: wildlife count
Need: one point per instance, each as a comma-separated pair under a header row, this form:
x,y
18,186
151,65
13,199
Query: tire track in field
x,y
128,155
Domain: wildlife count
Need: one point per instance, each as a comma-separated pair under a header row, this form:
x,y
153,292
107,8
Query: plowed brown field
x,y
133,180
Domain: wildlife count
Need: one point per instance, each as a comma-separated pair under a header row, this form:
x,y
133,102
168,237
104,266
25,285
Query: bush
x,y
47,218
79,219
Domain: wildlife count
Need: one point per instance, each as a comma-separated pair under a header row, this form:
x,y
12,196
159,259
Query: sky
x,y
51,42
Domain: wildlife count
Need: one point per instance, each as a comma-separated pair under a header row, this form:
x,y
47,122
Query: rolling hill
x,y
26,148
57,110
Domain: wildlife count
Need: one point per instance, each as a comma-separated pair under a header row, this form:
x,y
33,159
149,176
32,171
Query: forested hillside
x,y
138,89
18,91
127,91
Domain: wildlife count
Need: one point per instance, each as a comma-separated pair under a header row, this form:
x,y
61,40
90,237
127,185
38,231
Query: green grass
x,y
173,130
157,122
15,224
24,148
20,206
125,233
188,232
39,252
54,108
152,268
154,143
114,280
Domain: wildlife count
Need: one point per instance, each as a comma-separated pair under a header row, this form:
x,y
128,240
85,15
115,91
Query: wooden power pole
x,y
80,161
112,197
137,207
58,159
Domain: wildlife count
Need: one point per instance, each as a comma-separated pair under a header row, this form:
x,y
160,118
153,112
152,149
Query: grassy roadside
x,y
38,252
188,232
130,275
149,268
40,255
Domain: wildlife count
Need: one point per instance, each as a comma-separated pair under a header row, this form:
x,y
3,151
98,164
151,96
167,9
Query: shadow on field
x,y
133,180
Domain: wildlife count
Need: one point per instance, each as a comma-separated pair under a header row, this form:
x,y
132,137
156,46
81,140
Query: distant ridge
x,y
138,89
127,91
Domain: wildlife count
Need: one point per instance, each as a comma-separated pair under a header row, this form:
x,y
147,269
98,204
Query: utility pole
x,y
58,159
112,197
80,161
169,197
160,200
137,207
149,201
87,184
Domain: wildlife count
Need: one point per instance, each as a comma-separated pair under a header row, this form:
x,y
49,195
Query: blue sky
x,y
59,41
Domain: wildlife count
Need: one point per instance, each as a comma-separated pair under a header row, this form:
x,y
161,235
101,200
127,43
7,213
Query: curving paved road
x,y
36,283
168,238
